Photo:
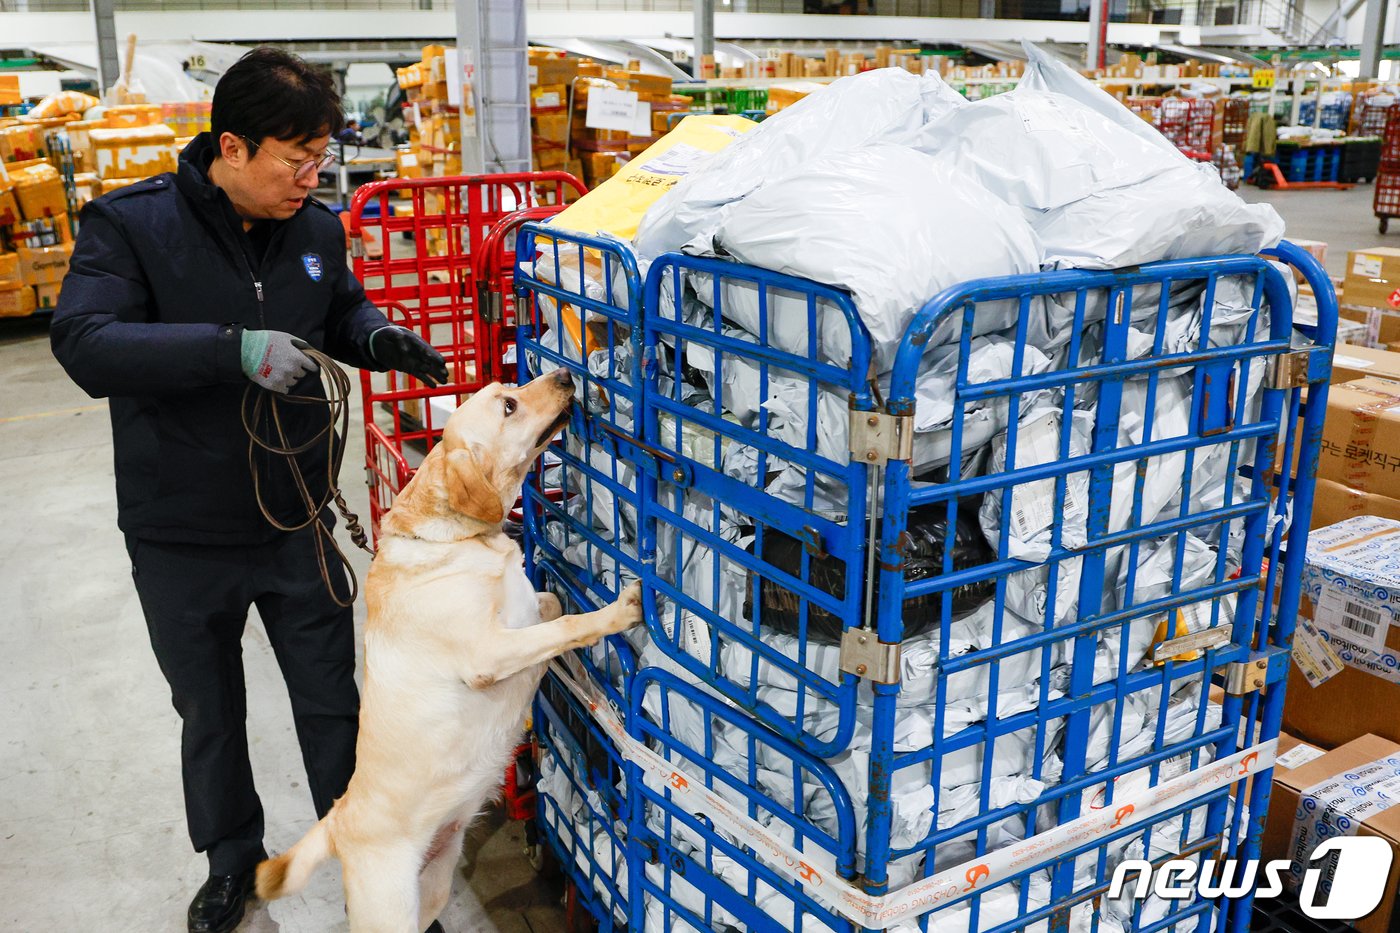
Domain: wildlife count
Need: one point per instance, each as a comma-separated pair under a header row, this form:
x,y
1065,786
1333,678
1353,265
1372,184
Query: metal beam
x,y
1098,34
1372,40
704,32
104,19
491,60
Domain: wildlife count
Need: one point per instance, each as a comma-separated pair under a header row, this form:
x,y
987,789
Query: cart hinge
x,y
866,656
491,304
1257,671
878,437
371,478
1297,368
357,247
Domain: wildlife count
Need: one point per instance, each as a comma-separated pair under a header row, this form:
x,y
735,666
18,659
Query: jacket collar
x,y
193,176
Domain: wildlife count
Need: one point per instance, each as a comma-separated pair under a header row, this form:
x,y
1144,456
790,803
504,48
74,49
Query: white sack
x,y
890,224
886,104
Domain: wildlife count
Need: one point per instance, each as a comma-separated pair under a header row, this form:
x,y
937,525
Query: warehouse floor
x,y
93,833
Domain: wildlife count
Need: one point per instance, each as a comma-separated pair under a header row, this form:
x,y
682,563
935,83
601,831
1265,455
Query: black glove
x,y
400,349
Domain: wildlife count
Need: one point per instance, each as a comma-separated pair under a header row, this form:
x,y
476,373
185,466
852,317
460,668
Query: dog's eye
x,y
510,406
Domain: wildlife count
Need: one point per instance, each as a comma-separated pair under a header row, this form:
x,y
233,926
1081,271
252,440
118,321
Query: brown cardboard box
x,y
546,71
132,116
548,160
46,296
1372,291
648,87
1353,362
549,96
9,270
44,265
39,190
138,152
553,127
21,142
9,205
1334,502
9,90
1352,573
1288,791
1361,436
17,301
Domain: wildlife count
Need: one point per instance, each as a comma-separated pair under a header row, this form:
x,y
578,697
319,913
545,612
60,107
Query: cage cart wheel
x,y
540,855
1384,225
577,919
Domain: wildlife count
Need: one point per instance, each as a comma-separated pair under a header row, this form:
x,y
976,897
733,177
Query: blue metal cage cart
x,y
939,647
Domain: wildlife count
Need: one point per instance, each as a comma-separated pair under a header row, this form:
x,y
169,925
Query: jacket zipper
x,y
252,276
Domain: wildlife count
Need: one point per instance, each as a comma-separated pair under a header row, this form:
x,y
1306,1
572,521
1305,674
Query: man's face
x,y
261,183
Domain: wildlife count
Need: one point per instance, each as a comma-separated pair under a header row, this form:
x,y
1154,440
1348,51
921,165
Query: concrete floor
x,y
93,835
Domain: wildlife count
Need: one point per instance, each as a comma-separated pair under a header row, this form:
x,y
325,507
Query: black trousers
x,y
195,599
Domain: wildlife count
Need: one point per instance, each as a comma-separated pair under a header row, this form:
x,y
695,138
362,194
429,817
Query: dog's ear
x,y
470,491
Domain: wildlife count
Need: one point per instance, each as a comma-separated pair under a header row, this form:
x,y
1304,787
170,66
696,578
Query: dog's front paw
x,y
627,611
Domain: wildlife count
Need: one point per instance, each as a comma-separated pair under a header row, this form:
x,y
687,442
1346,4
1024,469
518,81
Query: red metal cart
x,y
1386,200
431,274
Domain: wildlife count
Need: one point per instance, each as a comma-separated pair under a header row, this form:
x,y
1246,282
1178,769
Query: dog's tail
x,y
289,872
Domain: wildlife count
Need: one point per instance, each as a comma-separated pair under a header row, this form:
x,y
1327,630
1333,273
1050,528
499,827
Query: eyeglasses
x,y
302,170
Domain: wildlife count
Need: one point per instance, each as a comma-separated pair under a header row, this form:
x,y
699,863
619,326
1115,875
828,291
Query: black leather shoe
x,y
434,927
218,907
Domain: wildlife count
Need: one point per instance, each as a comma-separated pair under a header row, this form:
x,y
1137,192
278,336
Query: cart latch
x,y
878,437
866,656
1297,368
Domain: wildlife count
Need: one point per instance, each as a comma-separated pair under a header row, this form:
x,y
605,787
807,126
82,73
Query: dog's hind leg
x,y
435,882
381,889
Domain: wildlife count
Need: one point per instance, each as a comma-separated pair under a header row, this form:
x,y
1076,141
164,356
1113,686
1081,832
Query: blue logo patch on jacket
x,y
312,262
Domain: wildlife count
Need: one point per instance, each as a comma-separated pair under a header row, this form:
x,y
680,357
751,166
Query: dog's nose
x,y
563,378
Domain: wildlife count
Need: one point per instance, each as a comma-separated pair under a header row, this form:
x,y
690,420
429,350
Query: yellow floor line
x,y
51,414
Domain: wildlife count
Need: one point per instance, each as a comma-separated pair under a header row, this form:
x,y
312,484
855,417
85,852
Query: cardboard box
x,y
1334,502
1361,436
1352,594
1350,362
17,301
132,116
553,127
407,164
134,153
1311,781
1372,291
44,265
9,270
46,296
549,96
548,160
9,204
9,90
39,191
22,142
547,71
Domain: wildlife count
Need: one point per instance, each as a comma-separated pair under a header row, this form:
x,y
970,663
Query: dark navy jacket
x,y
151,316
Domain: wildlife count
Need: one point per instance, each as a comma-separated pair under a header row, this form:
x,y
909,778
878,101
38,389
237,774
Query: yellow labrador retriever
x,y
455,646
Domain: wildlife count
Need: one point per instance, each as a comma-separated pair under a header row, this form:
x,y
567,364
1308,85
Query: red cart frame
x,y
436,270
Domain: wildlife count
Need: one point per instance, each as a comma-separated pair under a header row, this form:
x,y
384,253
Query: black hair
x,y
272,93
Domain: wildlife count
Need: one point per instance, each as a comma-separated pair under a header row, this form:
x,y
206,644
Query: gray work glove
x,y
274,360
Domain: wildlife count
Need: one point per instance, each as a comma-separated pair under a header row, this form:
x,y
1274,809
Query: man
x,y
183,289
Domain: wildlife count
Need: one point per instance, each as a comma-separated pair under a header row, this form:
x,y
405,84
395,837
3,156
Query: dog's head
x,y
490,442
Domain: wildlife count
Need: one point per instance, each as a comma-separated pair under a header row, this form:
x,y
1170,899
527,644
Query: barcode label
x,y
1356,619
1360,619
1314,656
